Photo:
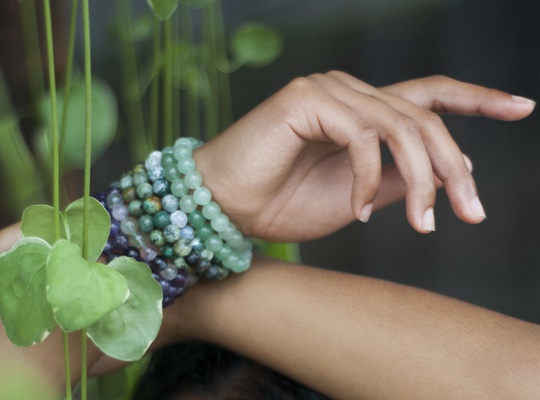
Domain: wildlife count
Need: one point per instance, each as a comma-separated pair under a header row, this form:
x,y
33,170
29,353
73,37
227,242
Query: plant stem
x,y
224,86
154,93
167,85
88,136
84,368
211,104
67,84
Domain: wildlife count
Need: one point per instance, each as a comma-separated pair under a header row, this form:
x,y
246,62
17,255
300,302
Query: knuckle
x,y
407,125
431,120
300,86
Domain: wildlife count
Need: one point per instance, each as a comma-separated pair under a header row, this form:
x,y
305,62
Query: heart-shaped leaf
x,y
127,332
80,292
163,9
256,45
26,315
38,221
99,226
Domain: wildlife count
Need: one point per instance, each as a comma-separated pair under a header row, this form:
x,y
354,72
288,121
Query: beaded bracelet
x,y
162,215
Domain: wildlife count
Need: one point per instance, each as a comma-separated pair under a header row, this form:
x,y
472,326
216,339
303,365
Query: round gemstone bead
x,y
197,244
161,219
144,190
202,266
148,253
211,210
139,178
202,196
187,204
161,187
109,246
156,237
129,194
228,232
169,273
220,222
153,160
168,160
121,241
212,273
171,173
113,256
171,233
196,219
155,173
187,232
167,301
168,251
114,199
186,165
236,240
179,218
159,263
126,181
115,227
182,151
180,279
101,197
129,226
207,254
132,252
146,223
214,243
167,150
113,189
135,208
170,203
179,188
193,258
224,253
182,247
205,232
152,205
181,263
193,179
120,212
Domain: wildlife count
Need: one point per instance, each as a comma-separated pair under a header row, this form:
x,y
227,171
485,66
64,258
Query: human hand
x,y
307,161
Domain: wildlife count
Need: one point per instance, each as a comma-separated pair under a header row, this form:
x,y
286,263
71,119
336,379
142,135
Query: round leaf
x,y
99,226
80,292
127,332
25,313
256,45
163,9
38,221
104,123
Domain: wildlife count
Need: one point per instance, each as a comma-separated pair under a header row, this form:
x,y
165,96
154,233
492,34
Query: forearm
x,y
353,337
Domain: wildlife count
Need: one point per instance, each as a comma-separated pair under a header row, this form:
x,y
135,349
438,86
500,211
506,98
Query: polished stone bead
x,y
193,258
179,188
152,205
129,226
228,232
193,179
212,273
170,203
171,174
169,273
101,197
214,243
159,263
220,222
184,141
167,301
145,190
196,219
113,189
223,273
197,245
139,169
207,254
224,253
115,227
202,196
139,178
155,173
146,223
153,160
168,160
186,165
148,253
201,266
171,233
179,218
161,187
114,199
211,210
187,204
187,232
167,150
109,246
129,194
121,241
180,279
156,237
182,247
168,251
205,232
132,252
135,208
161,219
120,212
181,263
182,151
126,181
112,257
236,240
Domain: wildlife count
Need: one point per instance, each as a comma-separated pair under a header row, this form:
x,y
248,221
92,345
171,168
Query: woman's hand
x,y
307,161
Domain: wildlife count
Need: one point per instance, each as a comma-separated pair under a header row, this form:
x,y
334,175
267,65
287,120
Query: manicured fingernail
x,y
428,222
524,101
476,207
366,212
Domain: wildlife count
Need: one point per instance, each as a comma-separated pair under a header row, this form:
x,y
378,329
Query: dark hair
x,y
207,372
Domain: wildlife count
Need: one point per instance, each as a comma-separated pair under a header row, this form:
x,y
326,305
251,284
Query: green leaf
x,y
26,315
256,45
99,226
104,123
163,9
127,332
80,292
38,221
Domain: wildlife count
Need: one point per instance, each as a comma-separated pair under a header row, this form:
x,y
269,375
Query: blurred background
x,y
495,43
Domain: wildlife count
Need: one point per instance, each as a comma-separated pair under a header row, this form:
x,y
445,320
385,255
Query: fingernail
x,y
428,222
477,208
523,100
366,213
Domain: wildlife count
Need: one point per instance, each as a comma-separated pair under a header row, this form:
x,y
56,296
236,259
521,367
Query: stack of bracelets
x,y
162,215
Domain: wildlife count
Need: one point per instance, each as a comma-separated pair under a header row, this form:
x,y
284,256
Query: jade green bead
x,y
135,208
168,160
196,219
161,219
179,188
193,179
224,253
211,210
184,141
167,150
187,204
156,237
146,223
152,205
139,178
186,165
232,262
202,196
171,173
182,151
205,232
220,222
214,243
171,233
145,190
